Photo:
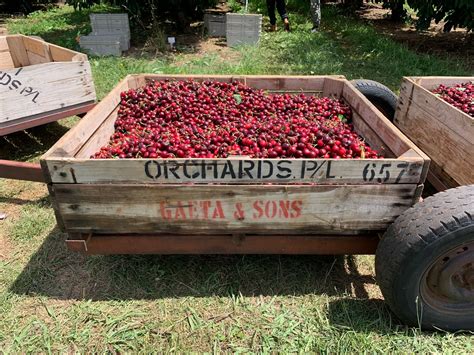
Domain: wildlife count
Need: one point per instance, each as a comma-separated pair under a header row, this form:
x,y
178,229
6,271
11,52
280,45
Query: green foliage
x,y
456,13
24,6
149,11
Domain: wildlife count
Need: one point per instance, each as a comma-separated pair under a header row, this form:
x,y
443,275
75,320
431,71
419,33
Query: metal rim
x,y
448,283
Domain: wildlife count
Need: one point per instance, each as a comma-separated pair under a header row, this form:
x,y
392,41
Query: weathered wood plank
x,y
75,138
440,130
6,61
333,88
100,138
45,87
432,82
214,209
286,83
60,54
453,119
18,51
34,58
237,171
370,136
40,119
3,44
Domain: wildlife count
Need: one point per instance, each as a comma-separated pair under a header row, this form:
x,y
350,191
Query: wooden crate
x,y
37,79
237,195
443,132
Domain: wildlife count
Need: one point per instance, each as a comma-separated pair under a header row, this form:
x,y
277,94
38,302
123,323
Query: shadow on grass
x,y
362,315
56,272
28,143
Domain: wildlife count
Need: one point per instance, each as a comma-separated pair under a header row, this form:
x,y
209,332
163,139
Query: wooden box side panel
x,y
271,83
455,120
236,170
209,209
6,60
17,51
72,142
435,127
42,88
432,82
233,170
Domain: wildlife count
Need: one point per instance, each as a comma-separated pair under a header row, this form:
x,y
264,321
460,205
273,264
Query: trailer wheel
x,y
379,95
425,262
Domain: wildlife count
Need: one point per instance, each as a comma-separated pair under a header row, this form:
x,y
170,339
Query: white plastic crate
x,y
112,24
243,29
215,24
109,22
101,45
123,38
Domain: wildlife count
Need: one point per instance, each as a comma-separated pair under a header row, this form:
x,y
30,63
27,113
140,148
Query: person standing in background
x,y
280,5
315,9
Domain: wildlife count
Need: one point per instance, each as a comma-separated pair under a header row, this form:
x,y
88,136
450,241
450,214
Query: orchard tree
x,y
455,13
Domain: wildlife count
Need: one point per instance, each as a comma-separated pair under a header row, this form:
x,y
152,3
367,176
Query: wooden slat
x,y
215,209
394,139
370,136
76,137
100,138
223,244
440,130
432,82
333,88
286,83
37,46
45,87
236,171
18,51
36,58
3,44
453,119
6,61
200,77
43,118
60,54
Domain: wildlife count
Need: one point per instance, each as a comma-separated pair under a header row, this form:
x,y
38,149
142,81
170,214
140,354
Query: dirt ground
x,y
458,43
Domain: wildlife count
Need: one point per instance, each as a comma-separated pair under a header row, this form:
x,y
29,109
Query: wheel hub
x,y
449,281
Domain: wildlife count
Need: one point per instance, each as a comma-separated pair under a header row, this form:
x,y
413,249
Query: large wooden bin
x,y
443,132
235,196
39,79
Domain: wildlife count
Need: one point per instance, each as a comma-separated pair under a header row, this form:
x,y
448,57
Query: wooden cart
x,y
443,132
39,83
234,205
424,262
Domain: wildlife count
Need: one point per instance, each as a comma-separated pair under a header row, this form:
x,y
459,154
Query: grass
x,y
52,300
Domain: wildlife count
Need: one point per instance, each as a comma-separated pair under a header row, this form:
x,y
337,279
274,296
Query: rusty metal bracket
x,y
10,169
93,244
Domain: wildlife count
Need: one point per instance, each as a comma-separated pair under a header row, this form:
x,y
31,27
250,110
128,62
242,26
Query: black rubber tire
x,y
441,225
379,95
